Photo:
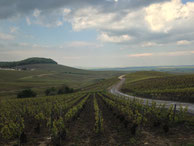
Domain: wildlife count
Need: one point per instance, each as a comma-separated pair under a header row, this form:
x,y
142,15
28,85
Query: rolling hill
x,y
34,60
41,75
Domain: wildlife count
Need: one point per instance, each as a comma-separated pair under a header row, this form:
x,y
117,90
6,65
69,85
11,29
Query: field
x,y
91,115
94,118
159,85
42,76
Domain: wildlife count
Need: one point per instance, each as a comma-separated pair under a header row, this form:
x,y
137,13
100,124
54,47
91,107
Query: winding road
x,y
115,89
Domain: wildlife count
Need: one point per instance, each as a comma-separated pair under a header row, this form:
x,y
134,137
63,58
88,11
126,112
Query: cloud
x,y
114,39
176,53
28,21
170,54
163,17
140,55
4,36
183,42
53,18
22,7
161,22
13,29
89,17
66,11
148,44
137,23
36,13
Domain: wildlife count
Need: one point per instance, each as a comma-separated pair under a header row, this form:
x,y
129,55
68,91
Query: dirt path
x,y
115,89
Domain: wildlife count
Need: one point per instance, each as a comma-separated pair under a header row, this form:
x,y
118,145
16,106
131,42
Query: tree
x,y
65,89
51,91
26,93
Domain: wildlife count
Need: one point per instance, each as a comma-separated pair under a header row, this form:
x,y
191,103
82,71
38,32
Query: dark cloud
x,y
13,8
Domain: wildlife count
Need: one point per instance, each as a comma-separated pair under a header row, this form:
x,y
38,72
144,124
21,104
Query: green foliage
x,y
138,114
51,91
98,118
57,130
65,89
72,113
12,127
26,93
21,114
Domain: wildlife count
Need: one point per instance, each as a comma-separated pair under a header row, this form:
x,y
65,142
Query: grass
x,y
159,85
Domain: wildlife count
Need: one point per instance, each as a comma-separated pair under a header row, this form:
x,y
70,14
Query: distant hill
x,y
29,61
173,69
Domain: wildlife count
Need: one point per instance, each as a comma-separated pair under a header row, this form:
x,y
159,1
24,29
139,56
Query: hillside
x,y
42,76
34,60
160,86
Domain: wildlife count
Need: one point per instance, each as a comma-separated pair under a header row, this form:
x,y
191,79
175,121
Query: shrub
x,y
51,91
26,93
65,89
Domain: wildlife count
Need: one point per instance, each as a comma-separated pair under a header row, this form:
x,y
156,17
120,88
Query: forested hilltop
x,y
29,61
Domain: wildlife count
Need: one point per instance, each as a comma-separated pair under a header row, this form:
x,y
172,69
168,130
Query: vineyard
x,y
92,118
159,85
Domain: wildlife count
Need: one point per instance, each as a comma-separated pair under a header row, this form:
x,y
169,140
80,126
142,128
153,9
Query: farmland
x,y
91,118
90,115
157,85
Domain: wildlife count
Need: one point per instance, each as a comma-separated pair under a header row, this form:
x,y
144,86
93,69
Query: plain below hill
x,y
41,75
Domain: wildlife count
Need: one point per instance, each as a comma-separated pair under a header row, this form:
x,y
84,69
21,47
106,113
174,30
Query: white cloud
x,y
115,26
176,53
148,44
80,44
13,29
28,21
114,39
90,17
49,19
93,17
183,42
66,11
4,36
124,24
36,13
140,55
170,54
162,17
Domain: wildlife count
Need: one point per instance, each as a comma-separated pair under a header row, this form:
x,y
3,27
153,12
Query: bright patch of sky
x,y
98,33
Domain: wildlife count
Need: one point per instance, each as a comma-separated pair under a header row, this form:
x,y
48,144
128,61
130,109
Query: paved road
x,y
115,89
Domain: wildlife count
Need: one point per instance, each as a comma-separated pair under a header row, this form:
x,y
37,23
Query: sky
x,y
98,33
